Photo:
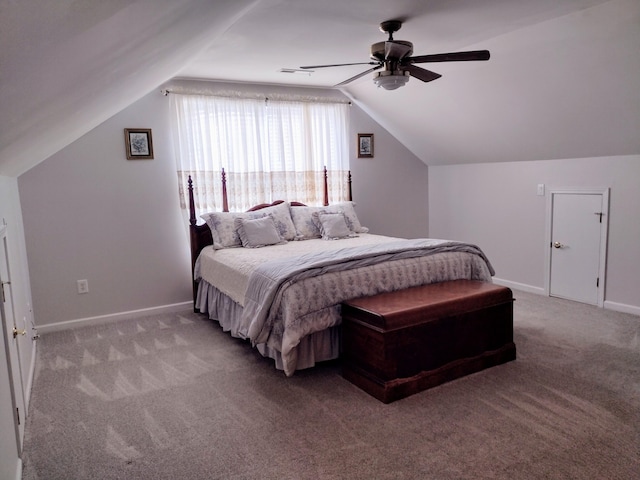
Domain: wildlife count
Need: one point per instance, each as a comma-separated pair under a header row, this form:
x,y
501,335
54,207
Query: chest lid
x,y
415,305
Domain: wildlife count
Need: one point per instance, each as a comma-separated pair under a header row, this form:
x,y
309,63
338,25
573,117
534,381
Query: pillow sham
x,y
282,218
223,229
306,228
349,215
332,226
303,222
258,232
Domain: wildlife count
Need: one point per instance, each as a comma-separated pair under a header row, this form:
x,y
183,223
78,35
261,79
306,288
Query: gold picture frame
x,y
365,145
139,143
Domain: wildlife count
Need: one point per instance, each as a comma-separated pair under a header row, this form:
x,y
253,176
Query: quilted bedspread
x,y
229,269
288,299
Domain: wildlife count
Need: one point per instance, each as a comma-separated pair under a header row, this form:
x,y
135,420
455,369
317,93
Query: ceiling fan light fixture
x,y
396,57
391,80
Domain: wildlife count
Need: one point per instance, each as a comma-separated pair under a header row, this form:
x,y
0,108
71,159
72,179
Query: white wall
x,y
390,189
91,214
562,87
495,206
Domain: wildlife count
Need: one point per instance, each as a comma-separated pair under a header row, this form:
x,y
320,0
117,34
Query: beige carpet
x,y
173,397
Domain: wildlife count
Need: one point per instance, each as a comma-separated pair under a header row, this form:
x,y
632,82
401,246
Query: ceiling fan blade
x,y
396,50
340,65
421,73
348,80
449,57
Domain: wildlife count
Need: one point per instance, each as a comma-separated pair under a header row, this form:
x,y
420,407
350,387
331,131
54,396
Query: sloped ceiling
x,y
68,65
562,82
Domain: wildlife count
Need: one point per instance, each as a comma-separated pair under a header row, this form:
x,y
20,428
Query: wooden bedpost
x,y
200,235
349,185
193,237
192,207
225,203
326,187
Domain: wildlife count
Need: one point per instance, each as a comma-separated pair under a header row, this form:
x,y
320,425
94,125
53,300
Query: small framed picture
x,y
139,143
365,145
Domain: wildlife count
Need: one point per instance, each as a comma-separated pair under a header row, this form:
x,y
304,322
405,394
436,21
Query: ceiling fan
x,y
399,65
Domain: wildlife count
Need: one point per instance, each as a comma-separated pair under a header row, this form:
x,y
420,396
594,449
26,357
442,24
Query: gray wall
x,y
390,189
496,206
91,214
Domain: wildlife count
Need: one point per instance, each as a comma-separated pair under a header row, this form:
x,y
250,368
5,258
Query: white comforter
x,y
312,304
229,269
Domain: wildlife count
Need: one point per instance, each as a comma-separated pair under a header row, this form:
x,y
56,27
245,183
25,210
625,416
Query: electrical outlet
x,y
83,286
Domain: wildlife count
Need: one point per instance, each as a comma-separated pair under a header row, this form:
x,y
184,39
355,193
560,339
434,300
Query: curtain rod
x,y
267,98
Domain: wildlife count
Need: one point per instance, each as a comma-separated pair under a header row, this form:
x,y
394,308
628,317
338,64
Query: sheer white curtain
x,y
269,149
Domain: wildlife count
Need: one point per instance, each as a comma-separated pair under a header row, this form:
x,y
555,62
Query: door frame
x,y
604,191
14,367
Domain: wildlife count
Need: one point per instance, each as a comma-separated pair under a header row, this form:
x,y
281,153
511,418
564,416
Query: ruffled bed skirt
x,y
314,348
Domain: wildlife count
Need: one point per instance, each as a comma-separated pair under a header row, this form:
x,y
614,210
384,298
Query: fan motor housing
x,y
378,50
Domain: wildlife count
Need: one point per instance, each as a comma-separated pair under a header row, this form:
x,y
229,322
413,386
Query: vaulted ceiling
x,y
563,80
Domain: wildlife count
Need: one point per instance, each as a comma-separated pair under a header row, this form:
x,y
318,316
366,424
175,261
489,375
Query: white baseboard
x,y
19,469
32,372
621,307
608,305
519,286
83,322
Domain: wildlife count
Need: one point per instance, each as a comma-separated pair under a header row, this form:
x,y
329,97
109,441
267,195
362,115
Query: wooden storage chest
x,y
399,343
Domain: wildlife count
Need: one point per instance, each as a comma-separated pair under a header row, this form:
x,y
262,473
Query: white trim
x,y
519,286
621,307
19,469
604,191
14,358
32,372
608,304
101,319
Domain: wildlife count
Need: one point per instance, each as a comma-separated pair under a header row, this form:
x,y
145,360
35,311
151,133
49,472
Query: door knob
x,y
17,332
558,245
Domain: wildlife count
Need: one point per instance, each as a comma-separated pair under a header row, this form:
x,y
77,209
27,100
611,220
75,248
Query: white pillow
x,y
258,232
332,226
303,222
306,228
282,218
223,228
349,214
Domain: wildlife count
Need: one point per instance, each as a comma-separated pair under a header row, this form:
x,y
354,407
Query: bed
x,y
282,291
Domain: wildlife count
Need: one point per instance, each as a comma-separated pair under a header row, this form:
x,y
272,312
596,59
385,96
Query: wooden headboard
x,y
200,235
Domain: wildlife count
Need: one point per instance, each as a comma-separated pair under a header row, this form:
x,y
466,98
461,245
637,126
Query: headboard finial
x,y
225,203
192,207
326,189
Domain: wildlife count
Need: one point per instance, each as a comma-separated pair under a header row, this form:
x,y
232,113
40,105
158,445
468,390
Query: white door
x,y
578,230
9,454
11,338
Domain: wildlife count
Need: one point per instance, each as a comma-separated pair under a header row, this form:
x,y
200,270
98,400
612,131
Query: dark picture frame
x,y
365,145
139,143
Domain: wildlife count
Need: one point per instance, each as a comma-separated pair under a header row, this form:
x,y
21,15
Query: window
x,y
269,149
